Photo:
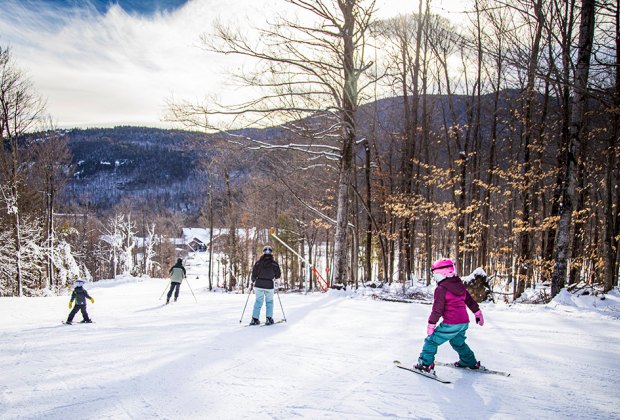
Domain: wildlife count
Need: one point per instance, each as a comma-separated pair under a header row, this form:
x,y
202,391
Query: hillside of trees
x,y
138,164
164,167
508,160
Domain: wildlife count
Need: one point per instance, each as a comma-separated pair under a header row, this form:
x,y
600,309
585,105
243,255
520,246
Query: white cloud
x,y
120,68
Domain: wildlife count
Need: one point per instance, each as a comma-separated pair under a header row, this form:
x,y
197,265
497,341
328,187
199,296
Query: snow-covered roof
x,y
203,234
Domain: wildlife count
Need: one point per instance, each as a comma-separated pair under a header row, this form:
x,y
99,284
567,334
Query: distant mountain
x,y
167,167
137,163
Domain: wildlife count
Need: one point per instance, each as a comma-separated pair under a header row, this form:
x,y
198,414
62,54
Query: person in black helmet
x,y
264,272
177,273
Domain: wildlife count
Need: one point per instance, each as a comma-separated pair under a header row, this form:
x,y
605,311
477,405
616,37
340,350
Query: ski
x,y
421,372
262,324
482,369
276,322
78,322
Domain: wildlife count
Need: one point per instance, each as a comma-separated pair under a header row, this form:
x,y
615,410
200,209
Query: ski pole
x,y
279,300
246,303
162,295
190,289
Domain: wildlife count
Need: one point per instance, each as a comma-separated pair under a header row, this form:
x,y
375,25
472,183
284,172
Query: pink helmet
x,y
443,268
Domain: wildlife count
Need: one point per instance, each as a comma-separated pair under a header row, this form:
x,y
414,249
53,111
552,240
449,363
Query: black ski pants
x,y
75,310
174,285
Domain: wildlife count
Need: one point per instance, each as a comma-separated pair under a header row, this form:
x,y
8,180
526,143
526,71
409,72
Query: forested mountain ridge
x,y
134,162
162,166
167,166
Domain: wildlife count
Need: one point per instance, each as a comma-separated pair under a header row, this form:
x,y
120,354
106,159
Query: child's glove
x,y
430,329
479,318
69,304
92,300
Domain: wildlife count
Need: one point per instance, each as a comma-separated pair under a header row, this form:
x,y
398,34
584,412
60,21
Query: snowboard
x,y
482,369
421,372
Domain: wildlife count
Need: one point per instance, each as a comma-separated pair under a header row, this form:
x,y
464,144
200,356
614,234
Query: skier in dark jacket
x,y
79,295
264,272
450,302
177,273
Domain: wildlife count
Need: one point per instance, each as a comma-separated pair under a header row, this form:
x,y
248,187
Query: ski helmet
x,y
79,283
267,250
442,269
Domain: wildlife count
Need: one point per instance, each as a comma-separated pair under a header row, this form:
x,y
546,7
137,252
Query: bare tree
x,y
612,221
309,65
113,237
577,137
128,232
536,12
53,159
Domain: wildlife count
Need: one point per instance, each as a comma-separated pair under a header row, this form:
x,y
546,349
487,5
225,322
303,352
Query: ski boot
x,y
254,321
425,368
86,321
269,321
68,322
459,365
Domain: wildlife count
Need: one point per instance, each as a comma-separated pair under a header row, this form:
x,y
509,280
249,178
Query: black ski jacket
x,y
264,271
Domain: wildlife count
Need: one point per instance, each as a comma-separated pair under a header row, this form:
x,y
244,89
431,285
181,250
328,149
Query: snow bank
x,y
607,304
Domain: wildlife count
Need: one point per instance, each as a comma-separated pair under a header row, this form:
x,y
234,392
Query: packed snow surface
x,y
332,359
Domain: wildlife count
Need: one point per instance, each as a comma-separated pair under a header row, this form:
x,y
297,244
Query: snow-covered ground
x,y
331,360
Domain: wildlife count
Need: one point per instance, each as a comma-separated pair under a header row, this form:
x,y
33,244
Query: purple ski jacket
x,y
450,299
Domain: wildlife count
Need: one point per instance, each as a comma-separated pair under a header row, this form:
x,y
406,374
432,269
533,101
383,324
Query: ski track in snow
x,y
331,360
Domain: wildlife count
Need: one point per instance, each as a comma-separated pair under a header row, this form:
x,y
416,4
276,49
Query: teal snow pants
x,y
455,334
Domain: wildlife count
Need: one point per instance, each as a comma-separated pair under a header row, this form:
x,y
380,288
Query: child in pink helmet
x,y
449,302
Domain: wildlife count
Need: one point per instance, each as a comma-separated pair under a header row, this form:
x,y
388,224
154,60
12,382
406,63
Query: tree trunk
x,y
579,226
50,233
210,236
525,240
490,181
611,224
548,252
348,135
368,269
17,242
232,234
328,265
340,239
569,193
411,128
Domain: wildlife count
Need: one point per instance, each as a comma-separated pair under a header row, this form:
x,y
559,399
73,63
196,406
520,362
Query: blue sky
x,y
104,63
140,7
143,7
137,6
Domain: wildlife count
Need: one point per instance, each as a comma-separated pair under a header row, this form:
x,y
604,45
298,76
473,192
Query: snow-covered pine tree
x,y
20,110
149,250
